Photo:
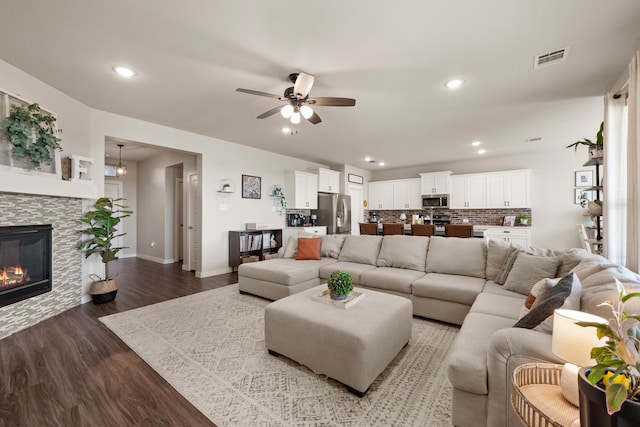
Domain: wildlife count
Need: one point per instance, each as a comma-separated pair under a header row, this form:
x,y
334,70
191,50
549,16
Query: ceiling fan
x,y
298,104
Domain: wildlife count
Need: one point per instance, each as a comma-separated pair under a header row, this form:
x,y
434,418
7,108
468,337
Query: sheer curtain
x,y
633,166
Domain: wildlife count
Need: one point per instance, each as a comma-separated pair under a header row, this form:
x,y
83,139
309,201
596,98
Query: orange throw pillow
x,y
309,248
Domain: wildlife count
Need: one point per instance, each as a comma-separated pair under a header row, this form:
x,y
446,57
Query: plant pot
x,y
595,153
593,409
103,291
338,297
594,208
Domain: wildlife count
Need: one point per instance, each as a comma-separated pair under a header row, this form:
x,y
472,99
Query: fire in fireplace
x,y
25,262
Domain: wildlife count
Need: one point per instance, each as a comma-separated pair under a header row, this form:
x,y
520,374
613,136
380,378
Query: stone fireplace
x,y
63,215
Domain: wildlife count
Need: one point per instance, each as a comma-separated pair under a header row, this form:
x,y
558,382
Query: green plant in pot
x,y
523,219
102,223
610,391
340,284
595,148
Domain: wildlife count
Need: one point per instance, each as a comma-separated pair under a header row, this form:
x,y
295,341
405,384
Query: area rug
x,y
210,347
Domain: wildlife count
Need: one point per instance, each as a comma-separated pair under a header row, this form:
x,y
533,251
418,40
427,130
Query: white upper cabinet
x,y
301,190
381,195
435,183
509,189
467,191
407,194
328,181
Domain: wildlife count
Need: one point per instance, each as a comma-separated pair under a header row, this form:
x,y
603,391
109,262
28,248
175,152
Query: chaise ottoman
x,y
352,345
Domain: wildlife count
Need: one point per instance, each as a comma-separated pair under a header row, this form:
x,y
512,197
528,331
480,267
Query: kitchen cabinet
x,y
509,189
328,181
301,190
381,195
435,183
520,236
407,194
467,191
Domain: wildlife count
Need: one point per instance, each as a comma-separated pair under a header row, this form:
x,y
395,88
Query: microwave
x,y
435,201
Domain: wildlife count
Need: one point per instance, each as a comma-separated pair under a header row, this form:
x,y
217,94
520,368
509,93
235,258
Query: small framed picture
x,y
584,178
251,187
582,194
509,221
356,179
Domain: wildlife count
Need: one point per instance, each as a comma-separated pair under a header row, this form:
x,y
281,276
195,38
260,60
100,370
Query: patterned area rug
x,y
210,347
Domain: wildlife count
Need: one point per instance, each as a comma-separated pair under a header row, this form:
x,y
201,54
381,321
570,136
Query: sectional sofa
x,y
480,286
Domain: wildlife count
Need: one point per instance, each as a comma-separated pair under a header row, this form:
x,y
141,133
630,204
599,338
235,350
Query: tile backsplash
x,y
475,216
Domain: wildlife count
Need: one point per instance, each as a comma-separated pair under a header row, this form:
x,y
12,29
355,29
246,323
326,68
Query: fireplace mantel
x,y
30,183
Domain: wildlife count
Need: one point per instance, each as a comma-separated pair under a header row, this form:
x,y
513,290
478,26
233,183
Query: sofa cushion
x,y
493,288
448,287
528,270
353,268
284,271
464,257
403,252
497,305
361,249
390,278
569,259
332,244
509,260
497,251
308,248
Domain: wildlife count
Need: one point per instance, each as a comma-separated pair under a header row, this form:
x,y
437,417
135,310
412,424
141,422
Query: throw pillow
x,y
309,248
536,294
332,244
528,270
502,275
566,294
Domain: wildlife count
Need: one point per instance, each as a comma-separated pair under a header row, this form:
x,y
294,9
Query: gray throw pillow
x,y
528,270
502,275
553,299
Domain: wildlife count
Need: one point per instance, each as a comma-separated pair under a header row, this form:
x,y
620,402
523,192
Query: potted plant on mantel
x,y
340,284
595,148
610,391
103,220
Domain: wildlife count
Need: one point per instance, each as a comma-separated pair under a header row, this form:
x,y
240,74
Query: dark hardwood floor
x,y
70,370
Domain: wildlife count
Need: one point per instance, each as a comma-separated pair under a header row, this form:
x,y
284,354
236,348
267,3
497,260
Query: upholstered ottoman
x,y
352,345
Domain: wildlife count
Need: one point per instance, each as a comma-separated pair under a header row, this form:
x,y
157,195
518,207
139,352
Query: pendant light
x,y
121,170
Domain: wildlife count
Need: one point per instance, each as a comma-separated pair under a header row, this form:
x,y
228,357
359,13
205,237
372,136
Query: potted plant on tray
x,y
340,284
610,391
103,220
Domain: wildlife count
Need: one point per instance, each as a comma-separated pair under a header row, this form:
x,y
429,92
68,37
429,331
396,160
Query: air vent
x,y
536,139
550,58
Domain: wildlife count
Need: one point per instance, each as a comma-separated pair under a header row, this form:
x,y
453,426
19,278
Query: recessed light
x,y
367,159
124,71
286,130
482,151
381,163
476,143
453,84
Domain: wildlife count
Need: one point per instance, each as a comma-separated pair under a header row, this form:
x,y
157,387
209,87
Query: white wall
x,y
130,193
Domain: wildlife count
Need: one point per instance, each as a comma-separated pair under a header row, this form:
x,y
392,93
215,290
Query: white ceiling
x,y
393,57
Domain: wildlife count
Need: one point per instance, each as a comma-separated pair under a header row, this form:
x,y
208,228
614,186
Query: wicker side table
x,y
537,399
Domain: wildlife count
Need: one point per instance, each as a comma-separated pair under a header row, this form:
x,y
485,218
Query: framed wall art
x,y
584,178
251,187
582,194
356,179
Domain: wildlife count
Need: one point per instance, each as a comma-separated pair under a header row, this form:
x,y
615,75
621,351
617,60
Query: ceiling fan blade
x,y
270,112
315,118
332,102
303,85
257,92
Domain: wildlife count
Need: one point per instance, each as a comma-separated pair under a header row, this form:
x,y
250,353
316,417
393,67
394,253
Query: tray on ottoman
x,y
351,346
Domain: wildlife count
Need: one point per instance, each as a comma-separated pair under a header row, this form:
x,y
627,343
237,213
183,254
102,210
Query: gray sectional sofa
x,y
453,280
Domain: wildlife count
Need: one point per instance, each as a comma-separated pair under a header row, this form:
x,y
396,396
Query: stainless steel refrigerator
x,y
334,211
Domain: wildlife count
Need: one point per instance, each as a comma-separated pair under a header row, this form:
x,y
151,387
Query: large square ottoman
x,y
352,345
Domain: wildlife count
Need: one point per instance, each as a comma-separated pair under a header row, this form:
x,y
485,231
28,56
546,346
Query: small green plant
x,y
523,219
32,133
618,367
340,283
588,143
103,220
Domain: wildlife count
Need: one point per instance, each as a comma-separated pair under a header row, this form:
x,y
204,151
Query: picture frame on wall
x,y
356,179
251,187
581,193
584,178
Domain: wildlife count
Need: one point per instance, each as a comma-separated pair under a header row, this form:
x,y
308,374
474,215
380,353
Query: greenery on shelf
x,y
103,220
523,219
278,193
32,133
598,145
618,368
340,283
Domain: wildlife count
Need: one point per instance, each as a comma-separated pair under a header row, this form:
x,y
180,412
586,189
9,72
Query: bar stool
x,y
368,228
391,228
423,229
458,230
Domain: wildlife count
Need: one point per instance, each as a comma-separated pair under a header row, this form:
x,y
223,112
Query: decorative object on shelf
x,y
523,219
103,221
620,356
582,197
227,186
584,178
595,148
340,284
595,207
251,187
80,168
33,134
121,170
278,193
509,221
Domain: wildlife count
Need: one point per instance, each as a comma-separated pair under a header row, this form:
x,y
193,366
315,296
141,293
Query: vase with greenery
x,y
523,219
595,148
340,284
278,193
102,223
618,361
33,134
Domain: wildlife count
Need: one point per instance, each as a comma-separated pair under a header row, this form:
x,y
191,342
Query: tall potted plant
x,y
102,223
595,148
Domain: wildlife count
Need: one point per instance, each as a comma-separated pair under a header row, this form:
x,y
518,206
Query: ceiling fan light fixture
x,y
306,111
295,118
286,111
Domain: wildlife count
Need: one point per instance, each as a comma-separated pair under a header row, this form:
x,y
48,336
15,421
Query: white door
x,y
113,189
179,220
193,227
357,210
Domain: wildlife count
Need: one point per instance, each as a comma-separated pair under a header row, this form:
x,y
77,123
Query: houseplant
x,y
103,220
595,148
278,193
523,218
340,285
33,134
617,370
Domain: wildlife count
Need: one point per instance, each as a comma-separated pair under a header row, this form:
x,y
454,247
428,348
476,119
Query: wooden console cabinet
x,y
252,245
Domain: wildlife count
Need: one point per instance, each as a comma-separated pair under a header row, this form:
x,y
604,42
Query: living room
x,y
87,124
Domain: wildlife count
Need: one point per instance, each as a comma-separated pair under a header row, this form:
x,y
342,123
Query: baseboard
x,y
127,256
155,259
203,274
